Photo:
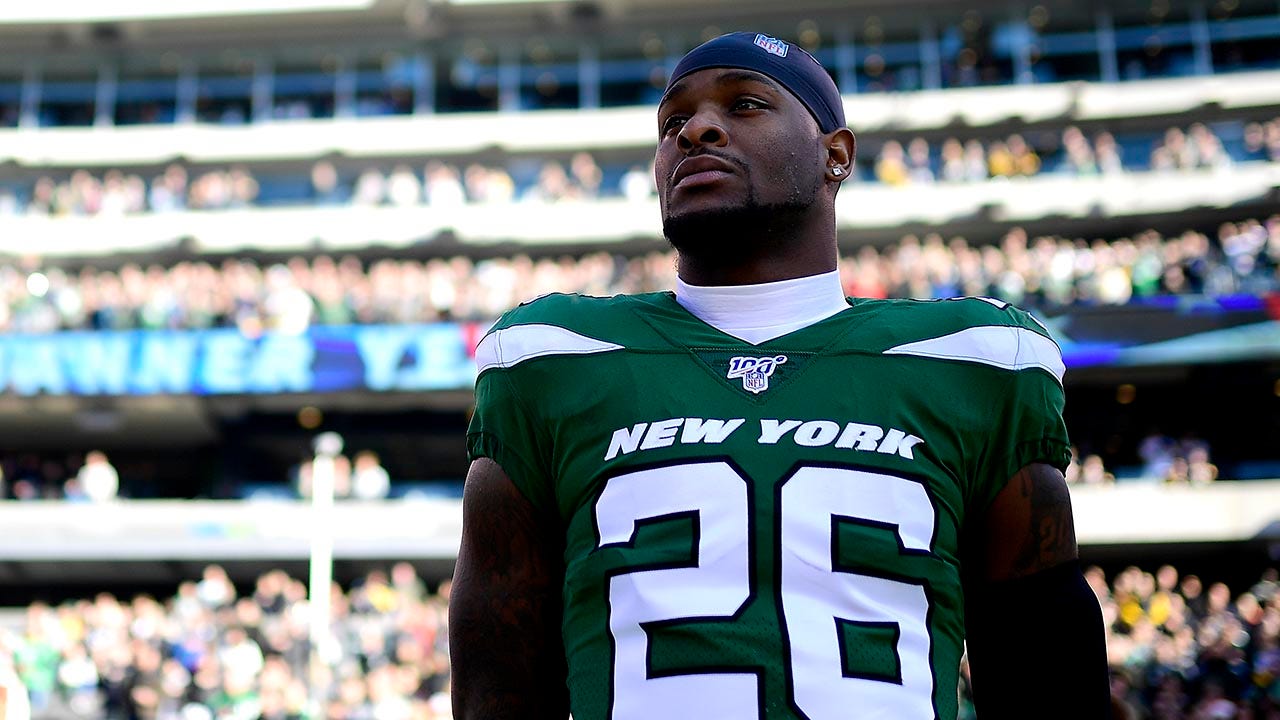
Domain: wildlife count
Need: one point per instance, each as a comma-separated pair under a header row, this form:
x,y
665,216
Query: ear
x,y
841,147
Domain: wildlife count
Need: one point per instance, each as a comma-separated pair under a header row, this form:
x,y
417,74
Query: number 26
x,y
817,596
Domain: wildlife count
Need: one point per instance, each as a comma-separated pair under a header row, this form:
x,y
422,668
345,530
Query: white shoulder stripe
x,y
513,345
1011,348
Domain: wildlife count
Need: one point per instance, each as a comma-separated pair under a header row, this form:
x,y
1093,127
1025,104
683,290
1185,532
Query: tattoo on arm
x,y
1051,525
1034,629
505,646
1029,527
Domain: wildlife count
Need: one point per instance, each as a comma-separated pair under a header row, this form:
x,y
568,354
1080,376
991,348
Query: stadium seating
x,y
229,226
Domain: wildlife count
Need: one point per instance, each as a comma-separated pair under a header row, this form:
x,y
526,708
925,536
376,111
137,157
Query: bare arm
x,y
506,654
1035,635
1029,526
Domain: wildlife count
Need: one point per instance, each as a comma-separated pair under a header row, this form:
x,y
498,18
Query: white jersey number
x,y
818,597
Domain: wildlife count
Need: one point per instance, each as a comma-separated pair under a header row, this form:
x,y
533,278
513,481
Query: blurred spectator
x,y
475,181
1080,159
1000,161
369,480
919,168
443,185
553,185
975,162
78,678
638,183
325,189
1092,471
1199,470
243,188
97,479
371,188
42,197
1025,160
341,478
1157,452
121,194
1206,148
17,703
952,168
487,185
1108,154
1255,142
8,202
586,175
287,308
1272,133
502,189
1182,153
891,167
36,656
168,192
403,188
210,191
215,589
1177,473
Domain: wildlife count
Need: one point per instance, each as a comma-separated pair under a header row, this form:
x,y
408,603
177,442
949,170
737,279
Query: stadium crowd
x,y
209,652
1179,647
440,183
1164,459
92,478
1034,272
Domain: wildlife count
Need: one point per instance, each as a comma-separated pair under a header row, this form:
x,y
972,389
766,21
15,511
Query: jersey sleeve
x,y
504,429
1028,426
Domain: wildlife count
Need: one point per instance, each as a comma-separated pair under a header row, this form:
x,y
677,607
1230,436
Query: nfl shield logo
x,y
755,372
772,45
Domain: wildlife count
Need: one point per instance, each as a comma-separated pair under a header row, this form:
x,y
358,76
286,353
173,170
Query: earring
x,y
837,170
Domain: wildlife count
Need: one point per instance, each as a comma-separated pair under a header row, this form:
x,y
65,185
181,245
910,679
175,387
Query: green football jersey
x,y
765,530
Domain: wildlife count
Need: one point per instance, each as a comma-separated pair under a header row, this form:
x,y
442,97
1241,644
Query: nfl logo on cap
x,y
772,45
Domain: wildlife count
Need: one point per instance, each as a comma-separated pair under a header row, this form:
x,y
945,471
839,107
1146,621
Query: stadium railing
x,y
429,528
557,130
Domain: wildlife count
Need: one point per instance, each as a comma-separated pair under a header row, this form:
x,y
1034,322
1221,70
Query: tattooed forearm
x,y
504,609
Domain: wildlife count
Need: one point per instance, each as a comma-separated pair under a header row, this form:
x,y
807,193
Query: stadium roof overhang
x,y
78,24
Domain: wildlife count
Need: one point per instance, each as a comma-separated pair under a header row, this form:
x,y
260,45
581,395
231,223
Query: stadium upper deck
x,y
421,56
380,82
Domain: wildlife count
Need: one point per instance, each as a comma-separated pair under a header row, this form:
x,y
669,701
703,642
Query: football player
x,y
754,497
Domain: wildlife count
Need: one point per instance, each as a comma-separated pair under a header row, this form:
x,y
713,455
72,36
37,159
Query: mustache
x,y
735,162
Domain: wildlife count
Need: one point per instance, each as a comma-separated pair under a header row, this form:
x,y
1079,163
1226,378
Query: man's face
x,y
733,145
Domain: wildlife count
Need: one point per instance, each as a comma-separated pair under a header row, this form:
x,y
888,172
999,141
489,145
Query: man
x,y
752,497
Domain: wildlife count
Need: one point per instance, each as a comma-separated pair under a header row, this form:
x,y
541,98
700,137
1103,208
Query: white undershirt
x,y
758,313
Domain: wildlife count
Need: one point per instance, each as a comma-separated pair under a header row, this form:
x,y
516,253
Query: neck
x,y
697,270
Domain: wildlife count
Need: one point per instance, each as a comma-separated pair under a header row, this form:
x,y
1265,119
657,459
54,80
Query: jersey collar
x,y
763,312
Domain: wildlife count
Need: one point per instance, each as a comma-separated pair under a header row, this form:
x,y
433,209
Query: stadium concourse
x,y
227,227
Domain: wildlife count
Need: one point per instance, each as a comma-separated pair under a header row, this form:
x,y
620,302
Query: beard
x,y
742,230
